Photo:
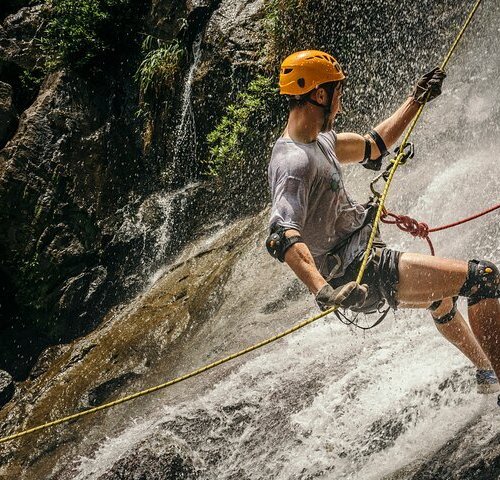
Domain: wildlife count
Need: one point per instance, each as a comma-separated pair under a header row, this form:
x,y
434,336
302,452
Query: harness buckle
x,y
407,150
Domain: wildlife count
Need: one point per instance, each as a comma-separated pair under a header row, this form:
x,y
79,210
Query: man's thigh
x,y
424,279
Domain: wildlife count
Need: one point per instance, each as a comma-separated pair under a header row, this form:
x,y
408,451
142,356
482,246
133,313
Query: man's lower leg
x,y
484,318
458,333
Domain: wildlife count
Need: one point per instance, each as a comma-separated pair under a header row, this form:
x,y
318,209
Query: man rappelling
x,y
322,234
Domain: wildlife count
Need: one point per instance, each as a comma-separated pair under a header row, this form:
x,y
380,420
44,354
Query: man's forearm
x,y
393,127
299,259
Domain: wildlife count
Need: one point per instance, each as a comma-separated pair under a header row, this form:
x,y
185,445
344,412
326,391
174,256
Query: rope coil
x,y
397,161
421,229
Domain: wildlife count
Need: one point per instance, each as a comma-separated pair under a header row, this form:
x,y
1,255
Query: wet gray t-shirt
x,y
308,195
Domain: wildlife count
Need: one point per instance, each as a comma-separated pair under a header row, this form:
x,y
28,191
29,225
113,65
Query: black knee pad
x,y
483,281
447,317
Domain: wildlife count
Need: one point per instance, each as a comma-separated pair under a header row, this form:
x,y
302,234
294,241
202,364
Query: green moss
x,y
240,144
80,32
290,26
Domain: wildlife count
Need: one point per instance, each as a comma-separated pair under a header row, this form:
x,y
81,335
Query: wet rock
x,y
106,390
231,47
463,457
235,26
8,115
50,243
11,6
160,463
6,388
79,352
47,359
17,36
126,348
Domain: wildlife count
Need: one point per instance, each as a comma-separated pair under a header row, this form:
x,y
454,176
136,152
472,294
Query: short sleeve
x,y
290,178
329,139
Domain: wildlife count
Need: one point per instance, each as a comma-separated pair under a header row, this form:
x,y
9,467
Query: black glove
x,y
430,82
349,295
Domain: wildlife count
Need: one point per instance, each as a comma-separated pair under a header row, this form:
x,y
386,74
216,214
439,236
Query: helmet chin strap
x,y
326,110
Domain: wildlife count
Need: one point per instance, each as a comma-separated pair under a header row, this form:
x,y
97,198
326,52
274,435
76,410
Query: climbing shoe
x,y
487,381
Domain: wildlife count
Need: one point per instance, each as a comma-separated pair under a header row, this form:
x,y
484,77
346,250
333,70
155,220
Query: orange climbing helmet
x,y
303,71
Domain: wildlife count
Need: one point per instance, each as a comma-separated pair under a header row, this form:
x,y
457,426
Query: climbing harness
x,y
401,157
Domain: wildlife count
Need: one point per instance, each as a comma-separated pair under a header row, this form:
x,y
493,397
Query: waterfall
x,y
184,151
330,402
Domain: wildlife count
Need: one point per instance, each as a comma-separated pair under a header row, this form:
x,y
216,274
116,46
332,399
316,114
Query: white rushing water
x,y
330,401
184,152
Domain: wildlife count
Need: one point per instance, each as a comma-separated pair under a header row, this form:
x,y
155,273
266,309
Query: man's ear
x,y
321,95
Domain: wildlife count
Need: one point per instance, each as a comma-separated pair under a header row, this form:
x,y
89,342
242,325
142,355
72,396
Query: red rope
x,y
421,229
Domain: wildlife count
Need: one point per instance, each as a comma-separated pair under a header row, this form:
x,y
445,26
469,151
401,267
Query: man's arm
x,y
350,147
299,259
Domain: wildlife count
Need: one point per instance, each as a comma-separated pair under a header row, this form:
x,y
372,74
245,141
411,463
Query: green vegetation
x,y
158,70
239,145
79,32
291,26
156,76
238,130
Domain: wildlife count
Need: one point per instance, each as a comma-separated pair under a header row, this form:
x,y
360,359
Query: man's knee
x,y
483,281
443,311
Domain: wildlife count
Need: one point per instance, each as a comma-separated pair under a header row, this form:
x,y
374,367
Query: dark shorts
x,y
381,276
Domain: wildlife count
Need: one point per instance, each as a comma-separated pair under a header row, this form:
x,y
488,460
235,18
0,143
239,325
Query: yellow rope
x,y
169,383
276,337
400,154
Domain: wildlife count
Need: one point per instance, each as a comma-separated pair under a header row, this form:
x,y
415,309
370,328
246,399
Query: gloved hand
x,y
432,81
349,295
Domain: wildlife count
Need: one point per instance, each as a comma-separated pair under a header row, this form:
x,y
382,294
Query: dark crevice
x,y
12,6
25,84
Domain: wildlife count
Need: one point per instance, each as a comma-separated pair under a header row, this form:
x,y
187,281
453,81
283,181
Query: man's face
x,y
335,108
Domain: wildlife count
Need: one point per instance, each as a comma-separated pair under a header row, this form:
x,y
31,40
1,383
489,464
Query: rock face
x,y
8,115
87,217
173,464
18,36
6,388
150,328
59,175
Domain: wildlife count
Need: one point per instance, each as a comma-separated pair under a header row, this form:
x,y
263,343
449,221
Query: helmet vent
x,y
301,82
286,71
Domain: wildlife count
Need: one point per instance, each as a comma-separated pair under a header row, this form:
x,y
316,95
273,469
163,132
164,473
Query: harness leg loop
x,y
447,317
